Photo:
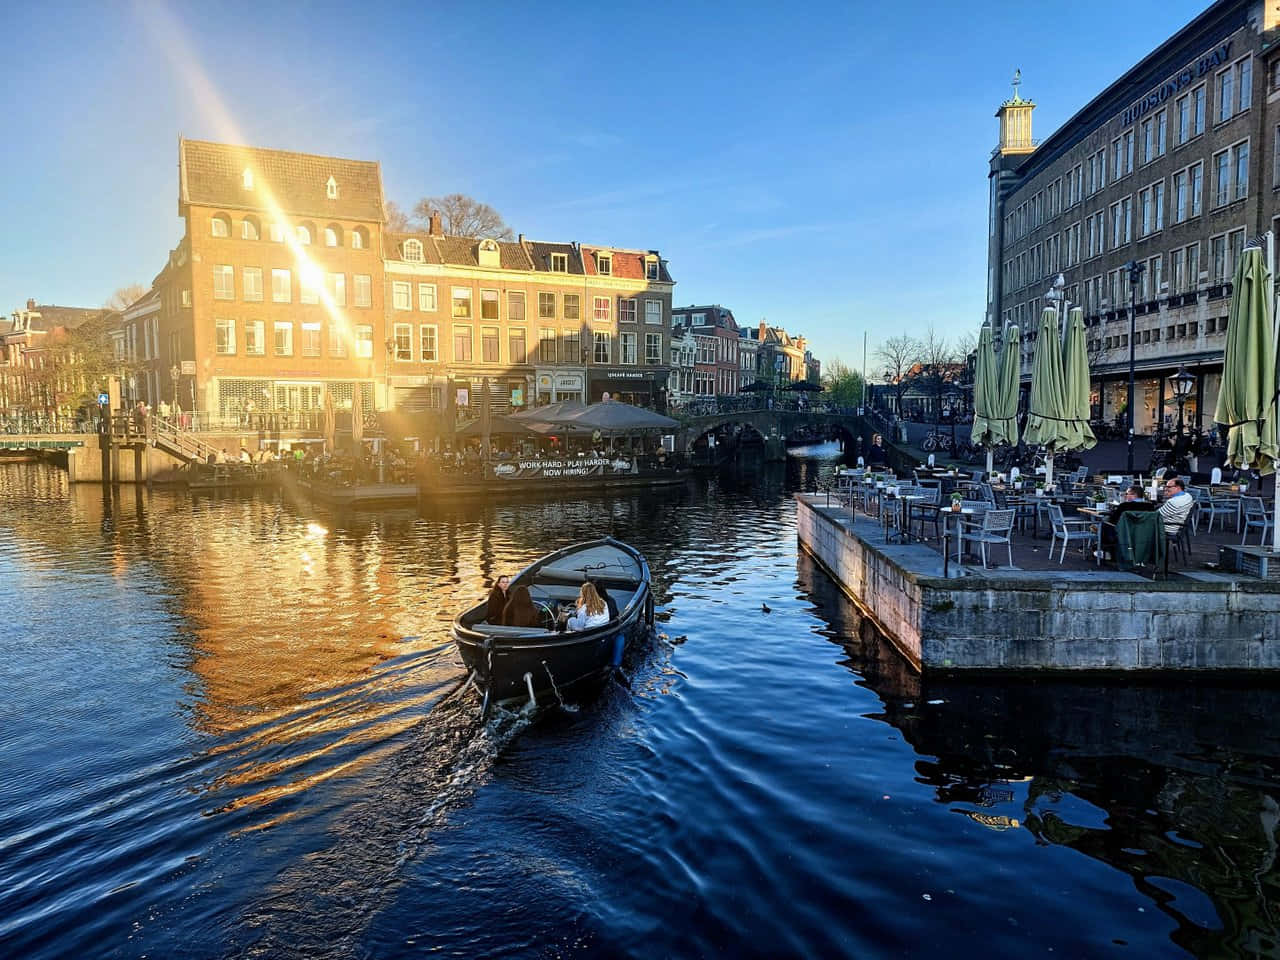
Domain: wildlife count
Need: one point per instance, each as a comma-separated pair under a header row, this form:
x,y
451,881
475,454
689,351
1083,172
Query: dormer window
x,y
331,189
559,263
246,179
413,251
604,264
651,268
488,254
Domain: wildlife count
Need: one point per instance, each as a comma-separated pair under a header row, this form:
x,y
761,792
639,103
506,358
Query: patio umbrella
x,y
486,420
330,422
1047,421
1075,364
499,425
806,386
357,418
616,417
1004,414
1249,393
986,394
754,386
552,410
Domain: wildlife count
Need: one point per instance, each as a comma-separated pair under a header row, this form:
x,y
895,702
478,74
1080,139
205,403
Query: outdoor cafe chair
x,y
1070,531
1256,516
996,528
1180,542
1222,504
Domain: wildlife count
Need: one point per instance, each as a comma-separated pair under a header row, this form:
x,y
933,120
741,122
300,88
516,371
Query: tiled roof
x,y
211,174
628,264
461,251
717,316
541,254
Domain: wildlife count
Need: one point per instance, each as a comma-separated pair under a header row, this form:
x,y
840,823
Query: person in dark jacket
x,y
520,610
1134,499
497,600
609,602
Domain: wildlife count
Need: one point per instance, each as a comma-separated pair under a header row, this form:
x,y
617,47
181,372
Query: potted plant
x,y
956,499
1039,488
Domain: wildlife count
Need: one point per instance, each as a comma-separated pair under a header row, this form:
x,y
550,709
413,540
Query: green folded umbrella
x,y
1004,415
1076,384
986,390
1048,423
1247,397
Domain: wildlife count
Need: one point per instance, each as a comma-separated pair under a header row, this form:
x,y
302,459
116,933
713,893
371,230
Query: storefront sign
x,y
464,396
553,469
1216,57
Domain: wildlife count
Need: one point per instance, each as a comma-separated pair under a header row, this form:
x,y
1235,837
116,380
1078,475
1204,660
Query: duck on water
x,y
536,665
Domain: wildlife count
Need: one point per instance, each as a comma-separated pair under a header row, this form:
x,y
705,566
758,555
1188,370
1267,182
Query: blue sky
x,y
820,165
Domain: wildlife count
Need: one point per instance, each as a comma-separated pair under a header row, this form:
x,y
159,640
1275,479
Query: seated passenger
x,y
609,602
591,610
497,600
520,611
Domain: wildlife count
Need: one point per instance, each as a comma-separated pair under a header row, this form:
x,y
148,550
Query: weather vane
x,y
1017,82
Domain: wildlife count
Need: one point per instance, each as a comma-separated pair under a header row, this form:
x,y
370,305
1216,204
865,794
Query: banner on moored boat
x,y
578,467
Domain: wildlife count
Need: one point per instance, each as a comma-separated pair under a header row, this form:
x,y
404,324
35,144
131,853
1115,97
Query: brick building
x,y
1171,168
285,285
274,293
716,370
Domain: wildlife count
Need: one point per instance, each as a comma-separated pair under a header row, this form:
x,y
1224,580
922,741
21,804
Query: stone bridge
x,y
775,426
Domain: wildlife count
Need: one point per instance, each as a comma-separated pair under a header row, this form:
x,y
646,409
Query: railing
x,y
27,425
169,436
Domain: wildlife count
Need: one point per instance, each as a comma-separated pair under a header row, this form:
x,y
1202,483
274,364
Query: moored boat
x,y
538,665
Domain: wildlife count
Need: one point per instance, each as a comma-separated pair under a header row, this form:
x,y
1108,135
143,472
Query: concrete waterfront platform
x,y
1046,619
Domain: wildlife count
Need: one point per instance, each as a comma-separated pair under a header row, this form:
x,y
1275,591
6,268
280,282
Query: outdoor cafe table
x,y
1100,515
901,506
947,513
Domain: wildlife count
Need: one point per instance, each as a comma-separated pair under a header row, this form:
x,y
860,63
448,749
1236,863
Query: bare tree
x,y
898,355
938,368
397,220
126,297
464,217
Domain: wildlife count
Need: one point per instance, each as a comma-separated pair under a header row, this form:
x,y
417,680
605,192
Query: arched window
x,y
331,189
221,225
250,229
413,251
359,238
333,235
305,231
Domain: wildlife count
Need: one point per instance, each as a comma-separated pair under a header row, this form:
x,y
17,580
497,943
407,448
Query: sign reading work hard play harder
x,y
551,469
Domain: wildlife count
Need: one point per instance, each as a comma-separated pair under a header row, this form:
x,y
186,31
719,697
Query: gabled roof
x,y
717,316
211,174
458,251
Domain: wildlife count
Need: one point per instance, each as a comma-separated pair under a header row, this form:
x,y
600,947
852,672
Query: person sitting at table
x,y
1177,505
875,455
1134,499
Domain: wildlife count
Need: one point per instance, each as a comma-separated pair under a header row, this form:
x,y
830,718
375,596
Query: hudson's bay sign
x,y
1216,57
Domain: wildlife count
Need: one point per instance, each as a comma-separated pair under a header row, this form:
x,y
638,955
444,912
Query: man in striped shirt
x,y
1177,505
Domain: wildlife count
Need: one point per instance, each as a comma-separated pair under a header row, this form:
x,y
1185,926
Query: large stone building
x,y
1164,176
780,356
286,285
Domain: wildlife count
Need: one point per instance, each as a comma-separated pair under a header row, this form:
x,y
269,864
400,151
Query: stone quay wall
x,y
1042,621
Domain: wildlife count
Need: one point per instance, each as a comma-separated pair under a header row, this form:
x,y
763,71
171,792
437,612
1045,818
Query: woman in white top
x,y
591,611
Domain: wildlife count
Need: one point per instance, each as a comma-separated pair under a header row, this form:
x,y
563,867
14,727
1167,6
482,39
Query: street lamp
x,y
1183,384
174,373
1135,268
1057,293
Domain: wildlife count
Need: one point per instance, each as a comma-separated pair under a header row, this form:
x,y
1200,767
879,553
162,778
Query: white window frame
x,y
276,328
604,264
224,282
309,327
362,289
653,312
427,302
252,291
401,295
434,353
652,356
625,339
402,336
471,342
494,296
413,251
623,308
559,263
277,275
224,337
599,306
255,334
460,297
336,285
600,338
364,340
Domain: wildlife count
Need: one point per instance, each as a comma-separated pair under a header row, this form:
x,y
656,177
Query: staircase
x,y
181,444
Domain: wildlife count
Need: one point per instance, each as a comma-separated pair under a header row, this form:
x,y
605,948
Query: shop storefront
x,y
553,385
505,394
644,388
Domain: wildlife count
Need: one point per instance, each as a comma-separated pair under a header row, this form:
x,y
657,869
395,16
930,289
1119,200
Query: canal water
x,y
228,728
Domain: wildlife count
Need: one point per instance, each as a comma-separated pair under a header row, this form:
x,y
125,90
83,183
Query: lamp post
x,y
1183,384
174,373
1135,268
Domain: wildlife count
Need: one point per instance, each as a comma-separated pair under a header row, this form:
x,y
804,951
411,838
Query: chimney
x,y
436,228
31,304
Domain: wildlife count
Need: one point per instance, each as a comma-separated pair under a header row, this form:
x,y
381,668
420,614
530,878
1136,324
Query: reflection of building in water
x,y
1175,786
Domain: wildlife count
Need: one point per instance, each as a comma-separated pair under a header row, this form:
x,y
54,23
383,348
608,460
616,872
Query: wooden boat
x,y
537,665
360,495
